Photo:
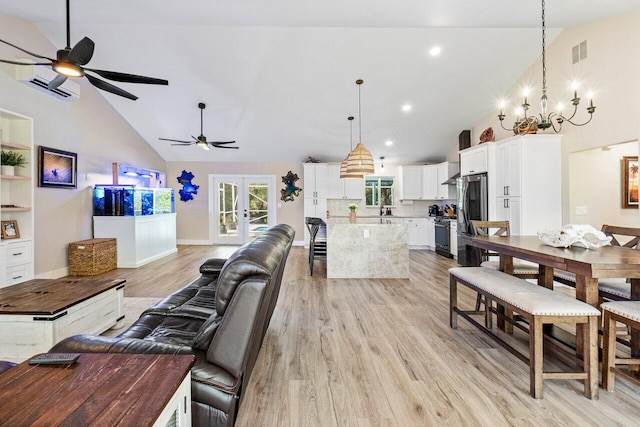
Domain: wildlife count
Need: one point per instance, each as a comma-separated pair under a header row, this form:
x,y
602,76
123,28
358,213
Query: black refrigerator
x,y
473,204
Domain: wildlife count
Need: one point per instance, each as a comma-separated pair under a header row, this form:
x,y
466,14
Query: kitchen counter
x,y
367,248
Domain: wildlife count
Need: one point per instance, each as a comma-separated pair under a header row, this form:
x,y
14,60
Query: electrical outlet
x,y
366,233
581,210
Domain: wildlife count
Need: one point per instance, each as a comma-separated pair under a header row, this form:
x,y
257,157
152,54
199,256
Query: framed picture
x,y
57,168
10,229
630,182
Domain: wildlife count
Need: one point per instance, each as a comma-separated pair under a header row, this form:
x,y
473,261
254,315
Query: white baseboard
x,y
54,274
146,260
194,242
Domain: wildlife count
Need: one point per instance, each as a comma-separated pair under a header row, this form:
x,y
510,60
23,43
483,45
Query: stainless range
x,y
443,225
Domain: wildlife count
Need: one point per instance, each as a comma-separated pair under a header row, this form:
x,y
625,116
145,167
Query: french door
x,y
241,207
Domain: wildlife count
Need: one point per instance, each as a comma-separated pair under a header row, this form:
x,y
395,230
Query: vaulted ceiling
x,y
279,76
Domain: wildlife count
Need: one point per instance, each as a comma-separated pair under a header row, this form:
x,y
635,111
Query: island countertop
x,y
367,248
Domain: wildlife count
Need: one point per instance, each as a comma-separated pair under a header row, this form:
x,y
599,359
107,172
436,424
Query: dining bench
x,y
538,306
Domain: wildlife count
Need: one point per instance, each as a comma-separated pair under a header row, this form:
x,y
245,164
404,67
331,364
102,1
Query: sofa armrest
x,y
212,266
87,343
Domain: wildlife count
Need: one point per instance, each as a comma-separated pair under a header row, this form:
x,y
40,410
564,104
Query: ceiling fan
x,y
70,63
201,141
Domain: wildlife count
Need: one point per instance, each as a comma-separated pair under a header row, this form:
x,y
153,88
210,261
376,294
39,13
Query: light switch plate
x,y
366,233
581,210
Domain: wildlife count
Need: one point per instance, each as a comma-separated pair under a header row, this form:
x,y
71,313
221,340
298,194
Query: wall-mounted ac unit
x,y
38,77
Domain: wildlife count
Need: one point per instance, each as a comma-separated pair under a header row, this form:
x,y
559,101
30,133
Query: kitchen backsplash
x,y
419,208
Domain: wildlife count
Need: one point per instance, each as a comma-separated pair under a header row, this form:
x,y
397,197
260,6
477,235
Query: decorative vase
x,y
7,170
352,217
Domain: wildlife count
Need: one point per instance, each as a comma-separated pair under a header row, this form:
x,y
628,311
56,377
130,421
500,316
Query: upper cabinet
x,y
410,182
445,171
424,182
343,188
315,180
16,249
474,160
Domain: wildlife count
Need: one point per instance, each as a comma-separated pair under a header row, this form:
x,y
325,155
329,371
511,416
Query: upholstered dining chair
x,y
613,289
500,228
317,242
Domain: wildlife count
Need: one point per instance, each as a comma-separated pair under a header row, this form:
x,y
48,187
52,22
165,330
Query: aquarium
x,y
126,200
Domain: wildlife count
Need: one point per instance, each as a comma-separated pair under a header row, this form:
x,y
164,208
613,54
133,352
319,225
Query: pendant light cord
x,y
68,28
544,55
359,83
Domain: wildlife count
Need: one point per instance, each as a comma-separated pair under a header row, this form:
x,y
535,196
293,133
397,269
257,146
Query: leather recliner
x,y
221,318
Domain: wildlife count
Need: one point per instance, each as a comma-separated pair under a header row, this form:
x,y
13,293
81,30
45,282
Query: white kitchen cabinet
x,y
416,231
431,233
508,155
453,239
474,160
16,254
528,170
315,180
430,182
343,188
410,182
445,171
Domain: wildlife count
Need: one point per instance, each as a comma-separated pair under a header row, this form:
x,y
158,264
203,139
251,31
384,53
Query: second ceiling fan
x,y
201,141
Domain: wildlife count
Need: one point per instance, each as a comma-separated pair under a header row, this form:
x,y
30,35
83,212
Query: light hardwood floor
x,y
370,352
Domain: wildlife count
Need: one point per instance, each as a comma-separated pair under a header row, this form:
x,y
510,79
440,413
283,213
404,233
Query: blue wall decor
x,y
188,189
290,188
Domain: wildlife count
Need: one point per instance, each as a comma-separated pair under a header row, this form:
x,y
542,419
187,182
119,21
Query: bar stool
x,y
317,244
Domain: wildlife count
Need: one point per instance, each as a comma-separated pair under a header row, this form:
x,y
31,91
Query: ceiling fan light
x,y
203,145
67,69
131,173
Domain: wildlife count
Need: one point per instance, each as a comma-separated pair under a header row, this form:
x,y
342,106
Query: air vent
x,y
579,52
38,77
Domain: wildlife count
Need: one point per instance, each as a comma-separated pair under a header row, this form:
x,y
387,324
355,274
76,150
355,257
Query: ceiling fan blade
x,y
175,140
128,78
82,51
6,61
26,51
221,142
184,145
60,78
224,146
101,84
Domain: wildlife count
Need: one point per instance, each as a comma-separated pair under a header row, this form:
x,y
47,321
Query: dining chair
x,y
500,228
609,289
317,241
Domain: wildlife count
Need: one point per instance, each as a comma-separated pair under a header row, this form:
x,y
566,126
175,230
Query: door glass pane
x,y
228,203
258,208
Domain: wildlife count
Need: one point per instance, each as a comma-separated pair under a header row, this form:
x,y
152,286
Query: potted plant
x,y
352,214
10,160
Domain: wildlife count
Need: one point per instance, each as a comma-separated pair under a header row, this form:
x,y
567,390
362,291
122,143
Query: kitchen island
x,y
371,247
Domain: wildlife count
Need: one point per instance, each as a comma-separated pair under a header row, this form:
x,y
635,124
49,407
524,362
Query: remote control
x,y
54,359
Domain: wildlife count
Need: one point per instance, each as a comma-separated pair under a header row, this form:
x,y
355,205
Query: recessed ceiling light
x,y
435,51
388,143
406,107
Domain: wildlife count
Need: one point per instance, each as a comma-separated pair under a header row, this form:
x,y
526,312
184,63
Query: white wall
x,y
595,178
611,71
89,127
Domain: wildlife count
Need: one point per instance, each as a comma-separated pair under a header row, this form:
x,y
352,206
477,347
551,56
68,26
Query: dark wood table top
x,y
607,261
48,297
100,389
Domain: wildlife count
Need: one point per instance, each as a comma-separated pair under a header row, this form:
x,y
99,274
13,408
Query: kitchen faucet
x,y
381,210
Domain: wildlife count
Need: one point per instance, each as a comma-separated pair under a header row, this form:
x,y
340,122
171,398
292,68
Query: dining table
x,y
588,264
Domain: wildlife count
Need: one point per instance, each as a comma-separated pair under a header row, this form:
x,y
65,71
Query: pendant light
x,y
360,160
343,166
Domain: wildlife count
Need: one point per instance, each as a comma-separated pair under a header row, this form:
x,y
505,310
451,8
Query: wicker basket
x,y
92,257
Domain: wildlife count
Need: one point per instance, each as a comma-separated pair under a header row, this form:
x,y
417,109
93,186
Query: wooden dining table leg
x,y
545,276
587,291
635,333
506,265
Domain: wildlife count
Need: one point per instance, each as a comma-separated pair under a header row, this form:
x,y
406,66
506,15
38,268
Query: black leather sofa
x,y
221,317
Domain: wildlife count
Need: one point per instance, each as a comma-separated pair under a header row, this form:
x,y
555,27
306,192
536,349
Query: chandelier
x,y
529,124
360,161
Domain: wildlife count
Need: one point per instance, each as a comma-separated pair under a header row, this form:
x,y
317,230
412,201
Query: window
x,y
378,191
